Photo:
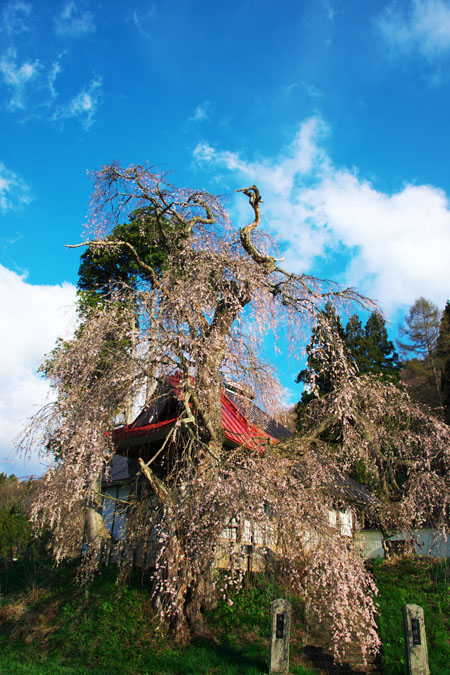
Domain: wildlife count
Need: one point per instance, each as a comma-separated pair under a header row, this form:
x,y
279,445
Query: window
x,y
232,530
114,510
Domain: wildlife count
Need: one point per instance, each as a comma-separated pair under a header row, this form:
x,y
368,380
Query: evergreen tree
x,y
355,339
103,267
318,375
368,349
380,356
134,247
443,355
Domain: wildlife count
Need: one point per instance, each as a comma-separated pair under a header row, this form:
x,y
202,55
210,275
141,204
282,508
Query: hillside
x,y
50,625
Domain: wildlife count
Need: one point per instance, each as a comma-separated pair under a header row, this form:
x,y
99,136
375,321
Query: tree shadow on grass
x,y
250,659
323,661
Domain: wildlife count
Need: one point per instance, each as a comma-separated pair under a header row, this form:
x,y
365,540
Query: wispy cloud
x,y
311,89
143,17
14,191
416,26
53,71
82,106
395,245
29,86
32,89
15,17
200,112
330,8
17,78
73,22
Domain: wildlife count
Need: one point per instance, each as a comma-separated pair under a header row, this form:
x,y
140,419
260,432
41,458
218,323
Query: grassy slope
x,y
48,625
422,582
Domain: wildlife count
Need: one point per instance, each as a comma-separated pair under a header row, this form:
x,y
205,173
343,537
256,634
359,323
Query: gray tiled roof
x,y
122,469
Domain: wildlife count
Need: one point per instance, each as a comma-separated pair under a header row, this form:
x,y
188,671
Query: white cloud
x,y
402,239
417,26
14,192
200,112
280,174
17,77
29,85
83,106
15,17
32,317
396,245
72,22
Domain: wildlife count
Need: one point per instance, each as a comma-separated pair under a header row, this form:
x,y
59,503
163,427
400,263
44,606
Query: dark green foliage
x,y
102,267
420,581
355,338
317,376
368,349
373,352
16,535
443,355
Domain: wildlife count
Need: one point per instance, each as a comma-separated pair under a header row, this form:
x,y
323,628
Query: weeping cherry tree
x,y
202,316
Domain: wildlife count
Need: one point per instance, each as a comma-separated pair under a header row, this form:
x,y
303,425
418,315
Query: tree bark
x,y
96,533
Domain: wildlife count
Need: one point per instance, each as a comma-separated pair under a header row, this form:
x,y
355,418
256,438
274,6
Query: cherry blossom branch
x,y
113,244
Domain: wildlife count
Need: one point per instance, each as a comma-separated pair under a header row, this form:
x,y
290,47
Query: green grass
x,y
50,625
423,582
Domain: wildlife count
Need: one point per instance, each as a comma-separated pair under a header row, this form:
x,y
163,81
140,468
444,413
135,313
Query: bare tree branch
x,y
114,244
267,261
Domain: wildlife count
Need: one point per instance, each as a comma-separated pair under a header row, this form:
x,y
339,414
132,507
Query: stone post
x,y
415,640
279,636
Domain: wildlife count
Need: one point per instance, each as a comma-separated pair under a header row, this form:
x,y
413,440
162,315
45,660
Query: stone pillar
x,y
415,640
279,636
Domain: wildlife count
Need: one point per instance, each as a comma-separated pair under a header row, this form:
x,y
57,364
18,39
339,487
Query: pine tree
x,y
103,268
381,357
421,329
368,349
318,376
355,339
420,333
443,356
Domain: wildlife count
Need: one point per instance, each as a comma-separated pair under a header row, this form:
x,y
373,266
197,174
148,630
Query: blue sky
x,y
337,109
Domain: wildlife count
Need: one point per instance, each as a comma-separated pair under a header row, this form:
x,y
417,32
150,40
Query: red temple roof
x,y
236,422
